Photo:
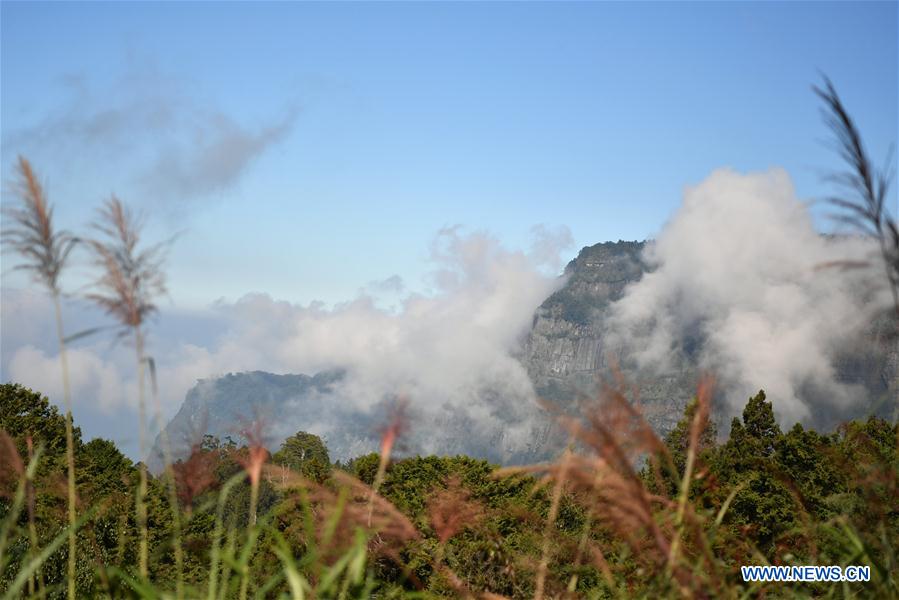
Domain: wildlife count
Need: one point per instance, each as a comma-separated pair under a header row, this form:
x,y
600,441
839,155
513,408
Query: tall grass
x,y
33,583
129,279
863,190
616,438
254,460
392,431
171,479
45,251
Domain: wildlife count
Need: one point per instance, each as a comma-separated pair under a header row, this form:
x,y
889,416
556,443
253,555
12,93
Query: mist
x,y
743,284
448,350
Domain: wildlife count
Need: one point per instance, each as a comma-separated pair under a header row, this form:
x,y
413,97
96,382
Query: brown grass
x,y
12,468
452,509
663,535
194,475
45,251
129,279
863,189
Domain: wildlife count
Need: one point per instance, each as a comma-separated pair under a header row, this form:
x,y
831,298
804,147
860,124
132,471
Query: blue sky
x,y
337,139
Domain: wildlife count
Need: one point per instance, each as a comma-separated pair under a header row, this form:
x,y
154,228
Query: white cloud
x,y
447,350
188,148
92,379
739,268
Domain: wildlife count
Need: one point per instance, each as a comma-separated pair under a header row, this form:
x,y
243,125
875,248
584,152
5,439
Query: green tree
x,y
105,469
306,454
807,460
760,424
365,467
678,439
764,505
24,412
210,443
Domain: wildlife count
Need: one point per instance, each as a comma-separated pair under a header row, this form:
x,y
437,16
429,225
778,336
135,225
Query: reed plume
x,y
864,190
128,282
453,509
252,460
390,434
45,252
558,488
194,475
613,440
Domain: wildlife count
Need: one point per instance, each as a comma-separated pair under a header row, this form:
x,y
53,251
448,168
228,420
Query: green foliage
x,y
677,442
104,469
24,413
306,454
763,507
806,459
210,443
365,467
760,424
798,497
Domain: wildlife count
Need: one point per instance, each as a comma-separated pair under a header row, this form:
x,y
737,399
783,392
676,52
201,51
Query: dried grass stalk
x,y
612,440
45,251
864,189
128,282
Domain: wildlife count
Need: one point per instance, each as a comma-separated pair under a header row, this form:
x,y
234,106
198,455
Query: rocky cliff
x,y
270,407
567,352
259,404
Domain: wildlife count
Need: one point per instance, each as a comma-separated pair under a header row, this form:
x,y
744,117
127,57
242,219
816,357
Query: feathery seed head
x,y
129,278
30,232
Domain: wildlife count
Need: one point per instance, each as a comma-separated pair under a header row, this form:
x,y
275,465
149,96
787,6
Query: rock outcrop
x,y
567,353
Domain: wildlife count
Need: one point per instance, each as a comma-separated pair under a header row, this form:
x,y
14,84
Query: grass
x,y
128,280
45,252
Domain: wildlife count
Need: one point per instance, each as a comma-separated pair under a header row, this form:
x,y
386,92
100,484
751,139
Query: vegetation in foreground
x,y
295,525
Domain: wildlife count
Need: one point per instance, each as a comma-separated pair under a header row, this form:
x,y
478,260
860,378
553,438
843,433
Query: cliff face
x,y
567,352
566,342
228,405
273,407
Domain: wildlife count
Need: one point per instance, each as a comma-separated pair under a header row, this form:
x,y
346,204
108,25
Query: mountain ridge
x,y
566,353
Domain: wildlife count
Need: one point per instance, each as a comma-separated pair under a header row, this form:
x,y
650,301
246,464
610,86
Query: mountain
x,y
226,406
569,349
566,353
281,405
